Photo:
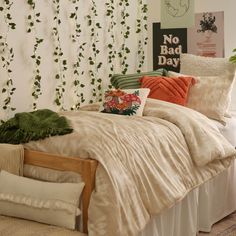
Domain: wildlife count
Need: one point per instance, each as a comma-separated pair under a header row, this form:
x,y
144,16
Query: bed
x,y
186,205
149,175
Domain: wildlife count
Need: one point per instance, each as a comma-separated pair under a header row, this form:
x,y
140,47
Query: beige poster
x,y
206,38
177,13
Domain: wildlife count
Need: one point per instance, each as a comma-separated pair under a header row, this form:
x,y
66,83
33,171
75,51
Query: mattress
x,y
229,130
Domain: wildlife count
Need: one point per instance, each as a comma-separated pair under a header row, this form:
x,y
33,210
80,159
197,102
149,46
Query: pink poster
x,y
206,38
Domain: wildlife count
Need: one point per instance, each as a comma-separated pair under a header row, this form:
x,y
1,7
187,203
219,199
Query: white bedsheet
x,y
228,131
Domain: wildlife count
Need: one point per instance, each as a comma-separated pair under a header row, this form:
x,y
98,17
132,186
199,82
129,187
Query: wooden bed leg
x,y
88,173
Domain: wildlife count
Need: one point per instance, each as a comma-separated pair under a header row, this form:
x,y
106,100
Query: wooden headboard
x,y
85,167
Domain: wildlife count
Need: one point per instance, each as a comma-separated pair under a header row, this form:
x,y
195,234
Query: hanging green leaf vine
x,y
95,65
7,57
110,12
141,30
77,71
88,53
125,32
58,58
33,19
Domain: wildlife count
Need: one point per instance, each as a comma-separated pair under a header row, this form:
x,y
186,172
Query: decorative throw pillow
x,y
168,89
125,102
50,203
132,81
208,96
208,66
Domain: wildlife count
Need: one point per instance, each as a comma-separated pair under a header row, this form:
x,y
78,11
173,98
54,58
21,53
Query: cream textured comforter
x,y
147,164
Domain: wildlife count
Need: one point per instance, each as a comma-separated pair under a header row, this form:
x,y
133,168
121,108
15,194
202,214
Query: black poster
x,y
168,44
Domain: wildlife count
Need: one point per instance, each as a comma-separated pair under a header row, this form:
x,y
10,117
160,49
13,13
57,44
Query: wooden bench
x,y
85,167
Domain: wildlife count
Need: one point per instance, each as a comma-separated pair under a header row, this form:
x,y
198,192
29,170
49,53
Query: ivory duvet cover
x,y
147,164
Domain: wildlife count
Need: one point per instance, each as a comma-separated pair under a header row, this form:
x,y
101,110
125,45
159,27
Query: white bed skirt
x,y
199,210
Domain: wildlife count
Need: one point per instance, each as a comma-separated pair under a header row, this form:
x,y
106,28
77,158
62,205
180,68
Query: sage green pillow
x,y
132,81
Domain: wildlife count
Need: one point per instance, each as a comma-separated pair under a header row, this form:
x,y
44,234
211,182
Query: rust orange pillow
x,y
168,89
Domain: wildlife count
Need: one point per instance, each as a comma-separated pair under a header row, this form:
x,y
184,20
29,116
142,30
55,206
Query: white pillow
x,y
124,102
208,66
50,203
208,96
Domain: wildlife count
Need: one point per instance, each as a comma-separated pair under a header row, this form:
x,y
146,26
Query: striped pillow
x,y
132,81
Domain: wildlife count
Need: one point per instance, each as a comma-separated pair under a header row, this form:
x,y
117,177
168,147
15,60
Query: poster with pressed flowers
x,y
206,38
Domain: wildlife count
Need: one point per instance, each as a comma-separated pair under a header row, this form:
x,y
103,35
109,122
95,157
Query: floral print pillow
x,y
125,102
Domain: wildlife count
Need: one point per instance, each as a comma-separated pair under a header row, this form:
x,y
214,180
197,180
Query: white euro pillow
x,y
209,66
207,96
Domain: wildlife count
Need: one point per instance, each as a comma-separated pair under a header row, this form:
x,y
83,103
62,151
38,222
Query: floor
x,y
225,227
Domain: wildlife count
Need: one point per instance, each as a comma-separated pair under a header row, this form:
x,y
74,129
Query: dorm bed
x,y
192,177
167,173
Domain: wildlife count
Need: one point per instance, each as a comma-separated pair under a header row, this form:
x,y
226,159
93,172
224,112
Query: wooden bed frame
x,y
85,167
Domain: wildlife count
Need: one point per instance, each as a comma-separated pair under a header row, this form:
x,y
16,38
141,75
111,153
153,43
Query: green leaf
x,y
72,15
233,59
57,101
30,2
12,25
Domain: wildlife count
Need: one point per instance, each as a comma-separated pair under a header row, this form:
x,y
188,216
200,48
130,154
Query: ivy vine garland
x,y
118,20
7,57
110,12
77,71
125,31
33,19
58,58
95,66
141,27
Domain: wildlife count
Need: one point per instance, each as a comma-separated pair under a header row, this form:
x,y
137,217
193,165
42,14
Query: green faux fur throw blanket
x,y
27,126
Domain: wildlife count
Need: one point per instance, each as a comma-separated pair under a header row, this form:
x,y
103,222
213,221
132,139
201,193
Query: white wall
x,y
228,6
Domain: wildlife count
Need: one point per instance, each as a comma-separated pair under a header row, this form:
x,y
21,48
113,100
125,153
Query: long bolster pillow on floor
x,y
50,203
